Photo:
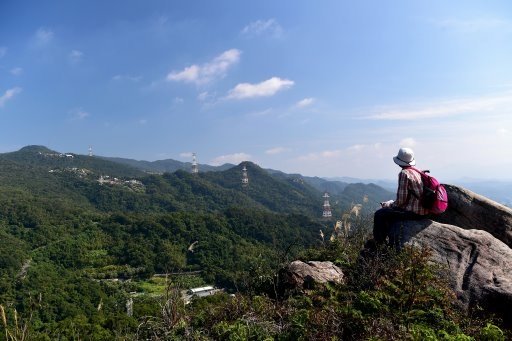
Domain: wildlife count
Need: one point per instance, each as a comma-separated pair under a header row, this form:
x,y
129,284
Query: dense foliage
x,y
386,296
81,235
82,238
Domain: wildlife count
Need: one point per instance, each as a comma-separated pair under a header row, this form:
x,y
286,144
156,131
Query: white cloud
x,y
356,148
3,51
474,25
326,154
9,94
276,150
203,96
202,74
264,89
79,114
130,78
408,142
260,27
261,113
305,102
75,56
43,36
446,108
16,71
186,155
503,132
178,100
231,158
189,74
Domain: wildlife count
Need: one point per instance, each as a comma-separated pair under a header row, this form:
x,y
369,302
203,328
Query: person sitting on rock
x,y
407,204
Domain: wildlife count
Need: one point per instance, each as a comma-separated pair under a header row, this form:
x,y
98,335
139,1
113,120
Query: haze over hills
x,y
334,187
500,191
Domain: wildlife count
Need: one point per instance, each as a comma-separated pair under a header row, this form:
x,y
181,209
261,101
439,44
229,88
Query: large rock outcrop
x,y
472,239
300,276
469,210
479,265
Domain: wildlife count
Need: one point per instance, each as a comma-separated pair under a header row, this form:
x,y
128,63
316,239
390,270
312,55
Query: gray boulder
x,y
480,266
472,239
469,210
299,276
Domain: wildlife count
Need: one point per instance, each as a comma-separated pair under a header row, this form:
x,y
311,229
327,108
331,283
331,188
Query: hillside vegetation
x,y
83,235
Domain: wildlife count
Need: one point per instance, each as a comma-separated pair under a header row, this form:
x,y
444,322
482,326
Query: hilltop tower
x,y
327,213
245,178
90,150
195,166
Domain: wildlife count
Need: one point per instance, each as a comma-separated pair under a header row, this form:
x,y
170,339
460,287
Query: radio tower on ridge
x,y
195,167
90,150
245,178
327,206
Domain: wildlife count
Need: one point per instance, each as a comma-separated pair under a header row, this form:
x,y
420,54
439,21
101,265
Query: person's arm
x,y
401,194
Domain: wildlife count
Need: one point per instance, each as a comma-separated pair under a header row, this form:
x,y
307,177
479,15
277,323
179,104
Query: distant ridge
x,y
45,159
166,166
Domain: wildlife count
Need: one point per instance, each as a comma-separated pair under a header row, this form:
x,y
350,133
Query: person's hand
x,y
387,203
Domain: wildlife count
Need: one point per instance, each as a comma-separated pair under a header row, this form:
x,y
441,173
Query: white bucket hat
x,y
405,157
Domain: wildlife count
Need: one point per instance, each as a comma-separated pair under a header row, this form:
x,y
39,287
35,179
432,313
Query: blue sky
x,y
327,88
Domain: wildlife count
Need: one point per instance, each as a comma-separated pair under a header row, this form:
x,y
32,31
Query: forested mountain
x,y
70,224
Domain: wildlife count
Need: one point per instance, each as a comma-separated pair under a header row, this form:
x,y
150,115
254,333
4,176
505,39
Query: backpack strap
x,y
418,196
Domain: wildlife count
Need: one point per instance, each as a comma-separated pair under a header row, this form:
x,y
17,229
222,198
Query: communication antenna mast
x,y
90,150
195,167
327,206
245,178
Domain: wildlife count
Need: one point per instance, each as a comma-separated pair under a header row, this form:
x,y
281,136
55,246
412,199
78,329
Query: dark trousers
x,y
384,219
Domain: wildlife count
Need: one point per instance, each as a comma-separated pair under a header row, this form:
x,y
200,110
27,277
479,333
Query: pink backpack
x,y
434,197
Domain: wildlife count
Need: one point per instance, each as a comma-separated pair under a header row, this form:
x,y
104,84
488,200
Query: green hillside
x,y
74,228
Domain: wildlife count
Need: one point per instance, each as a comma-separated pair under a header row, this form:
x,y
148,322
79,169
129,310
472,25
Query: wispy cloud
x,y
205,96
143,121
503,132
9,94
126,77
356,148
202,74
3,51
264,89
231,158
347,152
75,56
79,113
474,24
186,155
306,102
261,113
408,142
326,154
16,71
445,108
263,27
276,150
43,36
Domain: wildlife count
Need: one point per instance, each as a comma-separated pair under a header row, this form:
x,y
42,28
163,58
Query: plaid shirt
x,y
410,189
